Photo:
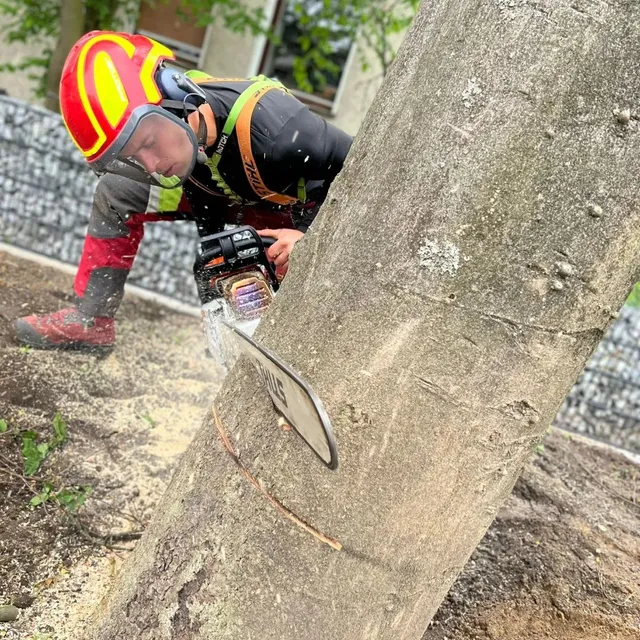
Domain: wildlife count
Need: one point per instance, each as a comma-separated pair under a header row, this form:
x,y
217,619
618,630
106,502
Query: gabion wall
x,y
605,401
46,191
45,201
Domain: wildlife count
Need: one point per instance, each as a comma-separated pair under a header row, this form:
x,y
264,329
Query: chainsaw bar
x,y
292,397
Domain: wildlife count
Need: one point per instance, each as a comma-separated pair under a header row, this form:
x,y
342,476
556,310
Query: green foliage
x,y
37,22
60,430
324,30
319,40
43,496
33,22
27,20
34,452
634,297
71,499
3,426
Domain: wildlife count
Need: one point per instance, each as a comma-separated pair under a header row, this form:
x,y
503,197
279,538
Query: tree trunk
x,y
467,262
71,28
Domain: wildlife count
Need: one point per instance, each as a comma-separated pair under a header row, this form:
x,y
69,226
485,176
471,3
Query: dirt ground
x,y
561,561
129,416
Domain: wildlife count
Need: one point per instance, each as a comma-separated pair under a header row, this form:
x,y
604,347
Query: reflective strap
x,y
302,190
169,199
219,180
243,130
234,114
240,119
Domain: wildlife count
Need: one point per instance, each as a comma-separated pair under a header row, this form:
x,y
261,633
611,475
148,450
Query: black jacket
x,y
288,142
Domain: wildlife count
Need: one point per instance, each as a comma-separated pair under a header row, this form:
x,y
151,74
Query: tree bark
x,y
71,29
466,263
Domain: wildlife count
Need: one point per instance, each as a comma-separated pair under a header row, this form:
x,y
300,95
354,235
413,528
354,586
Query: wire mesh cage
x,y
604,403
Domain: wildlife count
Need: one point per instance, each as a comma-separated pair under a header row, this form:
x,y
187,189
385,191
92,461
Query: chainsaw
x,y
236,284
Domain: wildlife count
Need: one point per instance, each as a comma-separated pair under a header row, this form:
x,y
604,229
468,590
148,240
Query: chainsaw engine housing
x,y
236,282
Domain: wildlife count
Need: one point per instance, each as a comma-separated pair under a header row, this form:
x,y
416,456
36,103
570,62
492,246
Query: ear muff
x,y
176,86
181,96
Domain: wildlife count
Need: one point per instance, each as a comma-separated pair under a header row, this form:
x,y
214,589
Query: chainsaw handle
x,y
267,241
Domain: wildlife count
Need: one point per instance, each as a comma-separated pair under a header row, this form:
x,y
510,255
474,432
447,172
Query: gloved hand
x,y
279,251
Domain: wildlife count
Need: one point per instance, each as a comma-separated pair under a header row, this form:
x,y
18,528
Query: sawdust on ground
x,y
129,416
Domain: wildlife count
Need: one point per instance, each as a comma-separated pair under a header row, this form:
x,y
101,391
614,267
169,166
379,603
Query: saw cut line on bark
x,y
504,320
332,542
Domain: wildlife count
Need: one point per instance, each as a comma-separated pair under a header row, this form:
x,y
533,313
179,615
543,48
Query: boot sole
x,y
28,336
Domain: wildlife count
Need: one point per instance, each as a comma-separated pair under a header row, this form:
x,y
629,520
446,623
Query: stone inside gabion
x,y
605,401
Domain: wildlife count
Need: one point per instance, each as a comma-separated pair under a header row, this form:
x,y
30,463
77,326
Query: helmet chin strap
x,y
201,156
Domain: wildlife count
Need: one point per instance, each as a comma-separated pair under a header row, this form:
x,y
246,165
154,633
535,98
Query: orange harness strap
x,y
243,131
240,119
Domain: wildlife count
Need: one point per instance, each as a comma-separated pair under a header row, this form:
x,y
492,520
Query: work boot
x,y
66,329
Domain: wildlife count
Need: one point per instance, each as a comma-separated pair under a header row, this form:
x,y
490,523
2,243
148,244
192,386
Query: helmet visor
x,y
155,147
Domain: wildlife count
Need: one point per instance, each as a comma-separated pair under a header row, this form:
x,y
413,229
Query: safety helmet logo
x,y
110,89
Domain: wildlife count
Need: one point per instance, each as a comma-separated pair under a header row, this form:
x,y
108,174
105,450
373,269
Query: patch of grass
x,y
34,452
149,420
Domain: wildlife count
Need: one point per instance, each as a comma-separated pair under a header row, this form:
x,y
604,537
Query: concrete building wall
x,y
356,94
227,55
360,87
231,55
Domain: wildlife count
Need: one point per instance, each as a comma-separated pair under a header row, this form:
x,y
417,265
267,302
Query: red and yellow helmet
x,y
107,89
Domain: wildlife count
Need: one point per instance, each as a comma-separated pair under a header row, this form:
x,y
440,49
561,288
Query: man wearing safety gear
x,y
170,145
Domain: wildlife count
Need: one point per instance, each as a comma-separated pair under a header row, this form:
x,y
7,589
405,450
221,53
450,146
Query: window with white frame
x,y
316,85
